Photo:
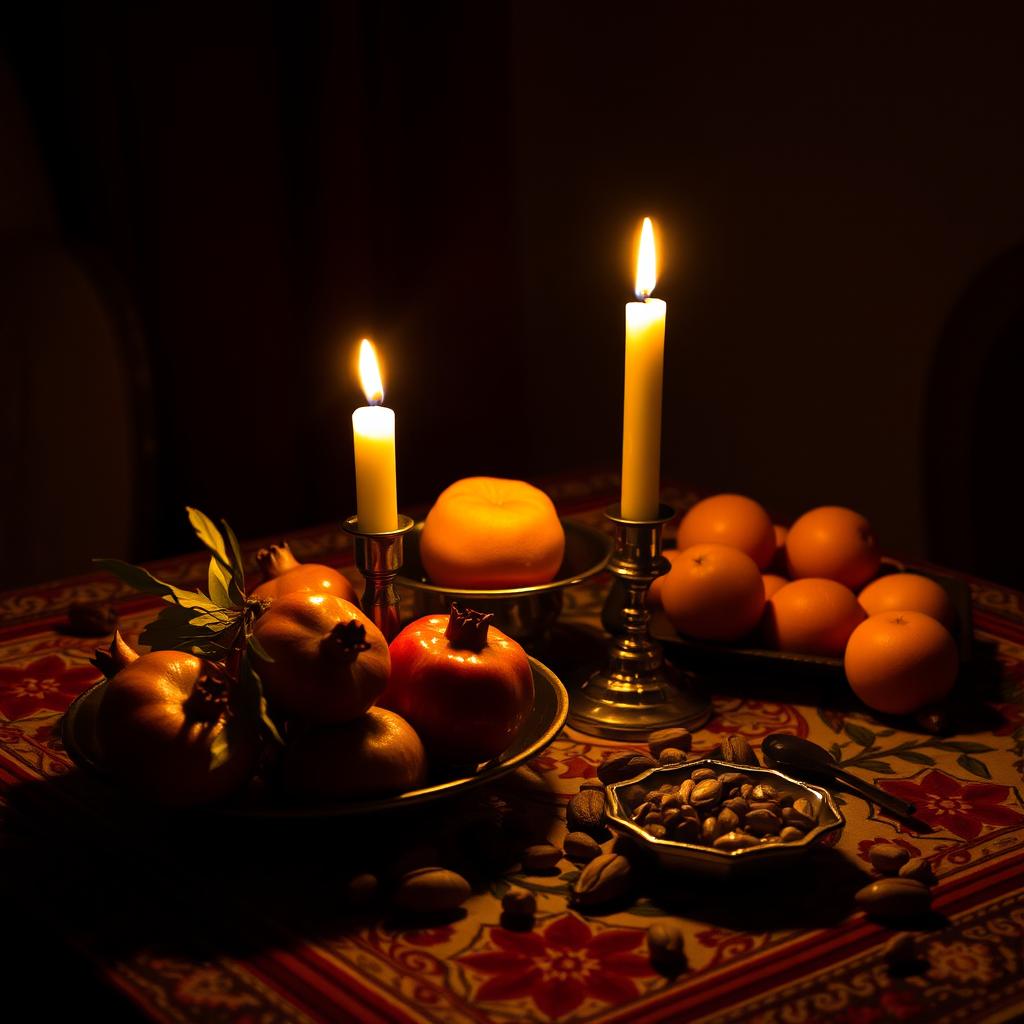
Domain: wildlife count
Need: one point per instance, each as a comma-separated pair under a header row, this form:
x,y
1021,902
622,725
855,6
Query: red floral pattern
x,y
961,808
561,966
46,684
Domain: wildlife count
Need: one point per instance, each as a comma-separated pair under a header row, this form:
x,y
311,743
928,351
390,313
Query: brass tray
x,y
542,725
751,656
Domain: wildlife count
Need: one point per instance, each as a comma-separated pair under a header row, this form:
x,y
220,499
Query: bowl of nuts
x,y
718,818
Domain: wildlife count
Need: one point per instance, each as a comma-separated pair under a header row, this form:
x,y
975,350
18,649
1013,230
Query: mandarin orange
x,y
730,519
812,616
901,661
713,592
833,543
772,583
654,593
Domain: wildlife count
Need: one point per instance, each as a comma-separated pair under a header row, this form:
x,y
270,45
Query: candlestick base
x,y
637,692
378,557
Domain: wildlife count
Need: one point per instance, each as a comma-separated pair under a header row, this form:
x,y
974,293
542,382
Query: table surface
x,y
196,916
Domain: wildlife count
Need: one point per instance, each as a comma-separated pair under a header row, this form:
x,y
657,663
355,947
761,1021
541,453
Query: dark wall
x,y
462,182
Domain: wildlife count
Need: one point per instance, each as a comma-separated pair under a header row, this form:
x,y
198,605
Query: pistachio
x,y
746,789
703,773
790,834
887,858
653,818
657,830
605,878
671,755
791,816
735,841
706,793
643,810
730,779
894,898
519,903
737,750
764,791
662,739
765,805
669,800
769,840
429,890
805,807
686,790
671,816
737,805
542,857
581,847
622,765
585,812
920,870
665,946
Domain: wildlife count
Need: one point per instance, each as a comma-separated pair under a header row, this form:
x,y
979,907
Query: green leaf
x,y
140,579
875,766
209,536
237,568
171,630
217,620
859,734
913,756
963,746
220,750
258,649
218,580
253,688
974,766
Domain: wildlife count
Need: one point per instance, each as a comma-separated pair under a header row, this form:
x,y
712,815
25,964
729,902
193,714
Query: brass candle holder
x,y
638,691
378,558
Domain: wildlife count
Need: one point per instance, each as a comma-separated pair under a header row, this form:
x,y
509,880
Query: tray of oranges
x,y
816,598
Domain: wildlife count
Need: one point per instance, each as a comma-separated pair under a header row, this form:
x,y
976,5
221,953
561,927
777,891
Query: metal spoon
x,y
783,751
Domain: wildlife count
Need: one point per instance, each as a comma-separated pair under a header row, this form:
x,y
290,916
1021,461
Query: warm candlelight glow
x,y
646,262
369,373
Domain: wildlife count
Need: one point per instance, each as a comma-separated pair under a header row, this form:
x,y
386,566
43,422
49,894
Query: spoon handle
x,y
891,803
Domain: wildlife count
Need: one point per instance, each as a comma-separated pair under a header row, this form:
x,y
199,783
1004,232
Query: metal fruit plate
x,y
708,860
523,613
542,725
749,655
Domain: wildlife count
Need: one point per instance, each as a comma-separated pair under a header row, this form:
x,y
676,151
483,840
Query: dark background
x,y
204,207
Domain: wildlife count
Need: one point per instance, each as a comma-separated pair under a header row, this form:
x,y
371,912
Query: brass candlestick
x,y
378,558
637,692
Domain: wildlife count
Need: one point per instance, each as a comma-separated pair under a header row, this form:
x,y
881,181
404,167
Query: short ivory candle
x,y
373,432
641,413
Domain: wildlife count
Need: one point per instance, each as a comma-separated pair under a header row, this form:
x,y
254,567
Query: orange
x,y
654,593
486,533
374,755
834,543
812,616
907,591
898,662
714,592
772,583
730,519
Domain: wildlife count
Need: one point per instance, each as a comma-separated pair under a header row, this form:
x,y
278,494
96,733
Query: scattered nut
x,y
920,870
91,618
665,946
894,898
622,765
519,903
671,755
429,890
679,739
592,784
887,858
581,847
360,890
542,857
585,812
735,749
605,878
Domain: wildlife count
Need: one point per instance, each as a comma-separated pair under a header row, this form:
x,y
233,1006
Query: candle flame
x,y
646,262
369,373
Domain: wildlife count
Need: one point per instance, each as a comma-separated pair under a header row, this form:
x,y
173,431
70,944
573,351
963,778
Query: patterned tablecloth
x,y
213,918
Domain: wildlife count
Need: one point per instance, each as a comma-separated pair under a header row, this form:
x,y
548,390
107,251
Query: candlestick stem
x,y
638,691
379,557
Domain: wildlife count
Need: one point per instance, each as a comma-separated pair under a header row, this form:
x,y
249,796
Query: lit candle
x,y
373,431
641,413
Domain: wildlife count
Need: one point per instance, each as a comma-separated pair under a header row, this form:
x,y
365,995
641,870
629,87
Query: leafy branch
x,y
910,751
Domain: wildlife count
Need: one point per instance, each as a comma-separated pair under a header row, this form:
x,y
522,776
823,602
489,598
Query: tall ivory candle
x,y
373,433
641,413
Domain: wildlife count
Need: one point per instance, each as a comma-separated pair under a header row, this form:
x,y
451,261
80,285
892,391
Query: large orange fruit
x,y
772,584
654,593
713,592
907,591
834,543
812,616
898,662
730,519
486,533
